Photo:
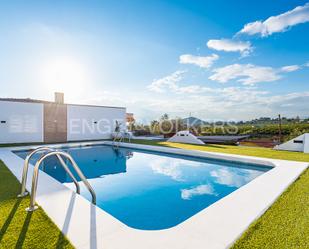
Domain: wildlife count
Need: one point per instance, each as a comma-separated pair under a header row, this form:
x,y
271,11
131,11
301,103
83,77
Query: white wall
x,y
92,122
185,137
21,122
306,143
292,144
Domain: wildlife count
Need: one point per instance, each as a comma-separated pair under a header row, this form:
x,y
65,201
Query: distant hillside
x,y
192,121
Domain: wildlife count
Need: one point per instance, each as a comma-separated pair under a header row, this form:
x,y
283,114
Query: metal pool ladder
x,y
118,137
59,154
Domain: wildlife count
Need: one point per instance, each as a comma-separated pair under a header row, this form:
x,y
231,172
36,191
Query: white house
x,y
300,143
29,120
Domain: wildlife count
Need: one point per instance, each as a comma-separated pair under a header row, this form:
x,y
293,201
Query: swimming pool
x,y
150,190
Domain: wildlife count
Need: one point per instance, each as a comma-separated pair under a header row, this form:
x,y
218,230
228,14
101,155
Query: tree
x,y
154,127
164,117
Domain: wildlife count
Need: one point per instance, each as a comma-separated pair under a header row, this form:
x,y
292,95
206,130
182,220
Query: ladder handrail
x,y
66,168
23,191
121,135
36,174
116,137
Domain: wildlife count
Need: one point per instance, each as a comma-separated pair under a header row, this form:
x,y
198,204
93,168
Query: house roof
x,y
38,101
25,100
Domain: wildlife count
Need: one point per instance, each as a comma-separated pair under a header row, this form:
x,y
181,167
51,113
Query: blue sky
x,y
213,59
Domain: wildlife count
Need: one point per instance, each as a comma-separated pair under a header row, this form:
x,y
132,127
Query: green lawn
x,y
286,223
20,229
239,150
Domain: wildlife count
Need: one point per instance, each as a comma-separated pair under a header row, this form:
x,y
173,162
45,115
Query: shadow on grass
x,y
23,231
9,218
215,146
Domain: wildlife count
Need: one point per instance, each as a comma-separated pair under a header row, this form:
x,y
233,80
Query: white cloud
x,y
290,98
234,178
229,45
201,61
247,74
158,85
192,89
174,168
205,189
290,68
215,103
233,103
278,23
167,167
240,103
170,83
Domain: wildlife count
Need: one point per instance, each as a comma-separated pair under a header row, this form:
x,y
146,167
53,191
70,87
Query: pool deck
x,y
217,226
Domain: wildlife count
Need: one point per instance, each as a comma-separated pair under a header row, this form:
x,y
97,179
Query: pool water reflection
x,y
148,190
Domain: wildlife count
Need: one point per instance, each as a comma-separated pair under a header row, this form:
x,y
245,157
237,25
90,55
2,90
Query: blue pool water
x,y
148,190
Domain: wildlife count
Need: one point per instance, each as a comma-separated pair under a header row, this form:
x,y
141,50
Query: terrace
x,y
284,224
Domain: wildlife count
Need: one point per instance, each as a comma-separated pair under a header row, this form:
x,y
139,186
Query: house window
x,y
297,141
3,122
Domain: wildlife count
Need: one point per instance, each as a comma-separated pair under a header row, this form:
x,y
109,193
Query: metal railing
x,y
23,191
120,137
59,155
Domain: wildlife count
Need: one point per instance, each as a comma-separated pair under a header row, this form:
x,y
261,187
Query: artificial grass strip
x,y
285,224
237,150
21,229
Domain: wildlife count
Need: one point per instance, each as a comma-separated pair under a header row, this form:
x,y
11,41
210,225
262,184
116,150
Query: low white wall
x,y
21,122
92,122
292,144
185,137
306,143
295,145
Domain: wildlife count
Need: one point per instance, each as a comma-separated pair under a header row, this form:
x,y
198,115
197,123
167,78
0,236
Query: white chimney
x,y
59,98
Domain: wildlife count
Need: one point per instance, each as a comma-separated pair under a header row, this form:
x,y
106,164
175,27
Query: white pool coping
x,y
217,226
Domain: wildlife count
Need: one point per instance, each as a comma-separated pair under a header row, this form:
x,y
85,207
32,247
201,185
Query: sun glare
x,y
64,74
